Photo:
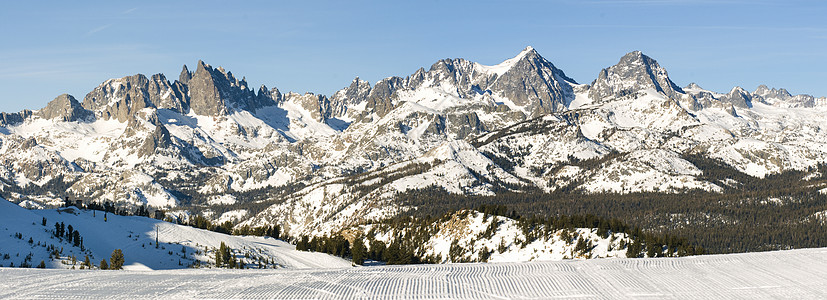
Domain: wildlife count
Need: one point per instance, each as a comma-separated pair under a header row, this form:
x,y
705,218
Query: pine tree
x,y
87,263
116,260
219,261
104,265
42,265
358,251
227,258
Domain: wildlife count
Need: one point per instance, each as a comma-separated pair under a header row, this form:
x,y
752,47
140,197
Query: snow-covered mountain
x,y
316,164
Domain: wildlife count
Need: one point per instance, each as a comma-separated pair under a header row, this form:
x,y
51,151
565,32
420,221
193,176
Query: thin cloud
x,y
129,11
675,2
707,27
96,30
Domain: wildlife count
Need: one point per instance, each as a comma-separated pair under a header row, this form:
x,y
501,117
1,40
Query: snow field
x,y
793,274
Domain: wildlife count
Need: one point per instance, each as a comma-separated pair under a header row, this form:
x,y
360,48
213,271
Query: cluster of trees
x,y
70,234
226,227
224,257
336,245
199,221
397,252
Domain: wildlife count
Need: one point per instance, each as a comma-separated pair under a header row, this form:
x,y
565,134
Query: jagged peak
x,y
693,86
761,89
65,107
507,64
737,90
638,58
201,65
635,71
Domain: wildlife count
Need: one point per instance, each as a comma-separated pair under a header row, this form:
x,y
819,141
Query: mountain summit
x,y
634,72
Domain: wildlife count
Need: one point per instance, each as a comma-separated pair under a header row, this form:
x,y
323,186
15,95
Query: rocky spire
x,y
215,92
185,75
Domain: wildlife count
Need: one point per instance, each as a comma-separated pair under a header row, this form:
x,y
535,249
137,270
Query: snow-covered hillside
x,y
790,274
471,236
179,246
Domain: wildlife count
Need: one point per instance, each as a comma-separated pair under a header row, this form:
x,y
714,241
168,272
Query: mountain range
x,y
209,144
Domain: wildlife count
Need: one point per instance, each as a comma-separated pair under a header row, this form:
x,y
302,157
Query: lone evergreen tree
x,y
42,265
104,265
116,260
219,261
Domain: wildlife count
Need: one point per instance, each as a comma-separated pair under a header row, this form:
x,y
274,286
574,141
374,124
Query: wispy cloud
x,y
676,2
96,30
706,27
129,11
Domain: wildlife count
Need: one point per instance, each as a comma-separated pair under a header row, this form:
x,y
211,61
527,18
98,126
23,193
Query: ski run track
x,y
794,274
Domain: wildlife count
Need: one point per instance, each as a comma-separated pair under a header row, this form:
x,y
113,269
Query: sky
x,y
50,48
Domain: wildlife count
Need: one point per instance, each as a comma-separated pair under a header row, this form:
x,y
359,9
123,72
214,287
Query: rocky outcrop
x,y
635,72
379,99
216,92
11,119
121,98
270,97
738,97
353,95
782,97
65,108
185,76
158,139
317,105
536,84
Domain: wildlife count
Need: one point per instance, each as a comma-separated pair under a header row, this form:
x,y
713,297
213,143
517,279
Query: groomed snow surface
x,y
795,274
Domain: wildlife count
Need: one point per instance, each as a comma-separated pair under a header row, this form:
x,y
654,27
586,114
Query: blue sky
x,y
50,48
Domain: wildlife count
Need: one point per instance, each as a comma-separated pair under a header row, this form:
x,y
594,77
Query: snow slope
x,y
795,274
136,237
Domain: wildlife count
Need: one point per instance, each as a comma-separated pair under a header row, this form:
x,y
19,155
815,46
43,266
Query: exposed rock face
x,y
738,97
205,96
379,99
8,119
158,139
352,95
185,75
215,92
781,97
272,96
634,72
536,83
528,80
121,98
317,105
66,108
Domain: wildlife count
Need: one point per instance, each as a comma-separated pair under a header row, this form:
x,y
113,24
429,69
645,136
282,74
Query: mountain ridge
x,y
459,126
